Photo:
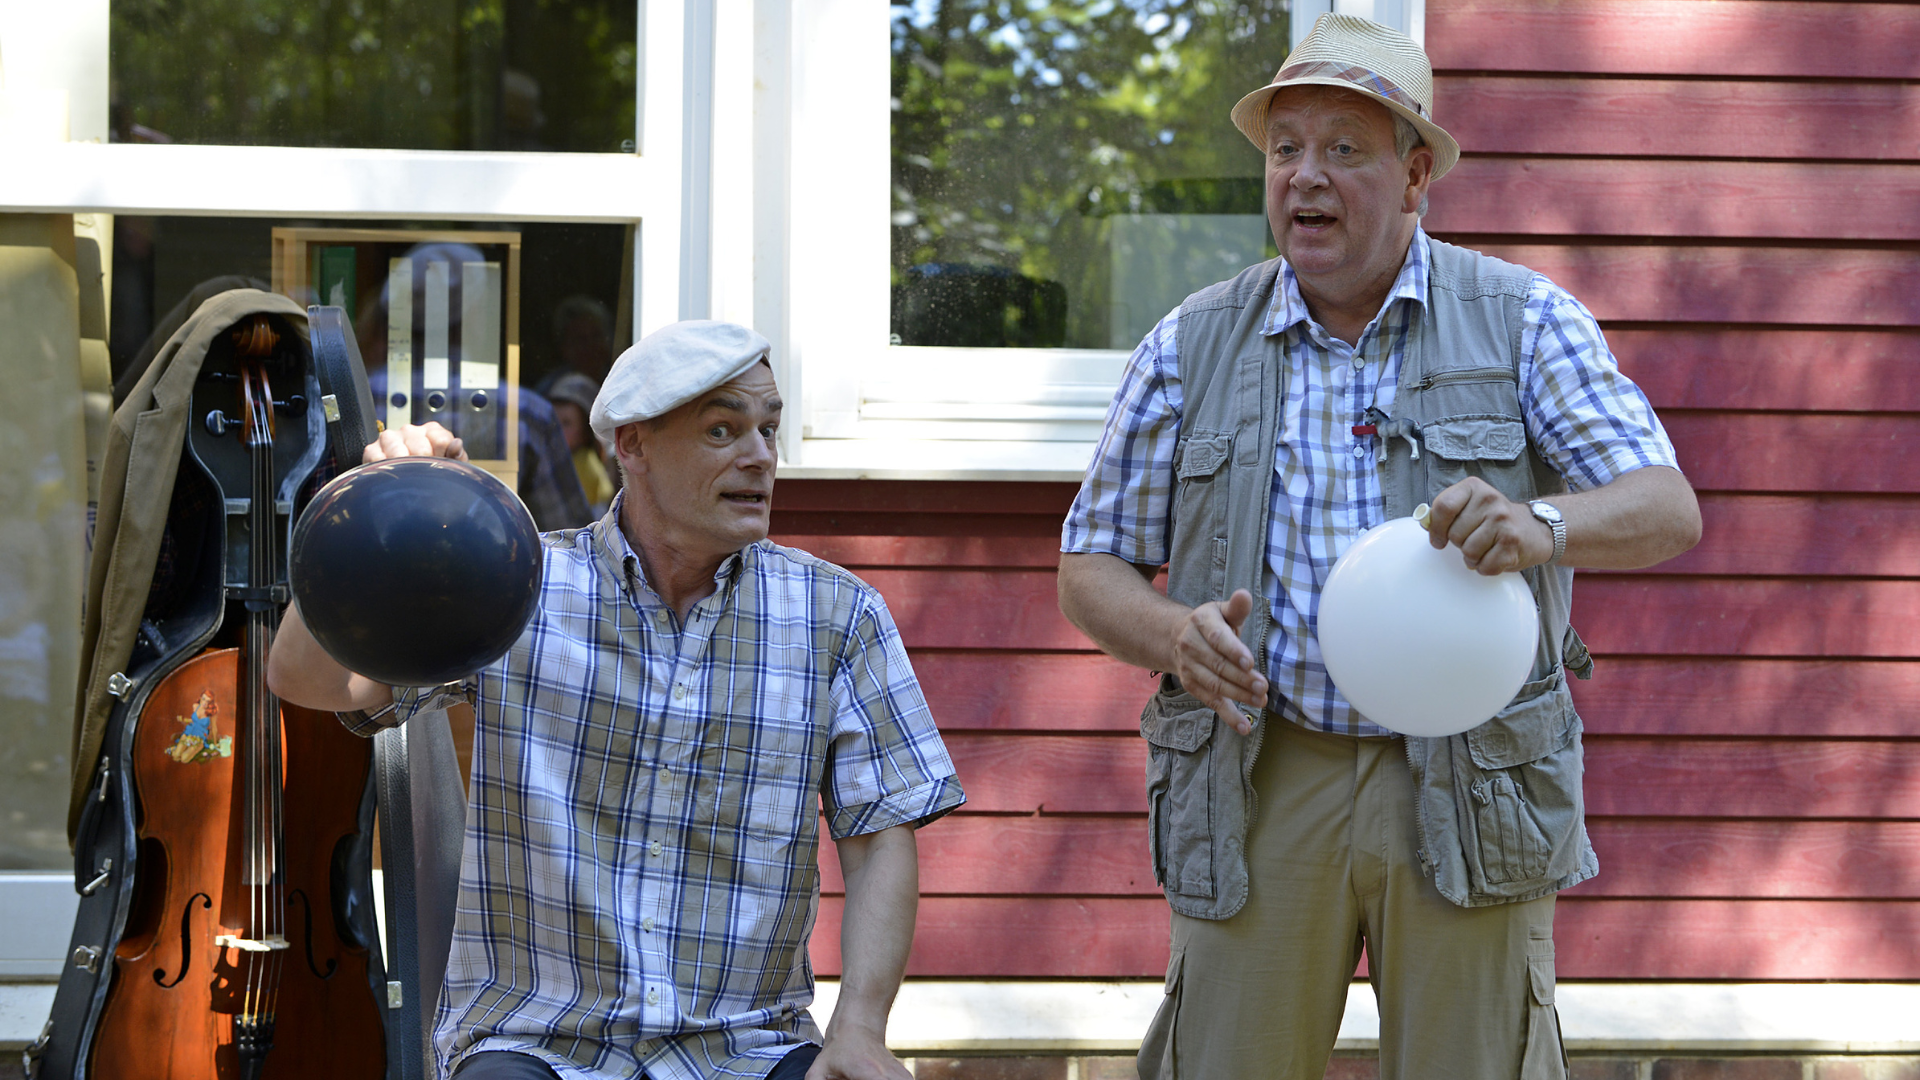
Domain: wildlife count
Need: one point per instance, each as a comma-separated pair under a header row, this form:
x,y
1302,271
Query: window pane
x,y
456,285
1064,171
566,269
421,75
43,557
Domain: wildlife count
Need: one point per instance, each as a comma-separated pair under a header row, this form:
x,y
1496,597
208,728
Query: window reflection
x,y
570,312
423,75
1064,171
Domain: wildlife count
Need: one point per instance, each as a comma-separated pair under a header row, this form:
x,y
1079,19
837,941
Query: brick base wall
x,y
1367,1067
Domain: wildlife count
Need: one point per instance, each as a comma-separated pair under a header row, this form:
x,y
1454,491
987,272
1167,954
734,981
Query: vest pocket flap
x,y
1180,723
1525,732
1475,438
1202,454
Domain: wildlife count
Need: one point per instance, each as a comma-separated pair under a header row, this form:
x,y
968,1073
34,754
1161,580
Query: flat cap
x,y
672,366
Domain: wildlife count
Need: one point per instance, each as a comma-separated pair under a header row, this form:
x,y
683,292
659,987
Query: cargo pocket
x,y
1179,810
1513,846
1520,776
1546,1057
1483,446
1156,1059
1199,500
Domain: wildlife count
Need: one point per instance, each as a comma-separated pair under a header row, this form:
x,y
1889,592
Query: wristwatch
x,y
1550,514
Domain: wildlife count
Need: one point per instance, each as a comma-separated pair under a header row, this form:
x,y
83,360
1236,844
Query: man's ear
x,y
629,444
1419,177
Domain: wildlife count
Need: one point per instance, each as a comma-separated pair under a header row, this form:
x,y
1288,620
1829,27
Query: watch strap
x,y
1555,522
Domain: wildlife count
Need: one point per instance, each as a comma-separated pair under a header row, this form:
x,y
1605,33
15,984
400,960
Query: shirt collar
x,y
618,560
1289,310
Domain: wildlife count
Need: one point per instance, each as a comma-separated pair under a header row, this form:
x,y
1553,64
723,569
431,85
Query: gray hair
x,y
1406,137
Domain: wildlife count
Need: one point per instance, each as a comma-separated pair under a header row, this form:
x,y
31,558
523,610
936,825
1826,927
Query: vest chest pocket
x,y
1177,728
1200,509
1490,447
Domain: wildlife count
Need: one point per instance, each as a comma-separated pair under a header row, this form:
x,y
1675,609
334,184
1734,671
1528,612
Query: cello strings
x,y
275,892
263,782
255,756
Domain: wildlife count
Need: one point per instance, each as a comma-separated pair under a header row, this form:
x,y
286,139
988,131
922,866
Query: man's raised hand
x,y
1215,665
1495,533
410,440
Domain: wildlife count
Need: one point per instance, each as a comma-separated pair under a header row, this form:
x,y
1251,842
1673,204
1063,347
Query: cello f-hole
x,y
306,909
186,942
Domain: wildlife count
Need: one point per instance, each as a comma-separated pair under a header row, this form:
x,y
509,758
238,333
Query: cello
x,y
242,955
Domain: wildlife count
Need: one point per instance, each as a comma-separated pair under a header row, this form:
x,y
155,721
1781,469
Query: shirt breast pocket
x,y
762,798
776,714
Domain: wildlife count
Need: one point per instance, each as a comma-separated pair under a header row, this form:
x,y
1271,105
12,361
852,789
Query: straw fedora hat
x,y
1355,54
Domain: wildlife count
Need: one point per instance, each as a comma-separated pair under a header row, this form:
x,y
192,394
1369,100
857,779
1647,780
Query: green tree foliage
x,y
420,74
1019,126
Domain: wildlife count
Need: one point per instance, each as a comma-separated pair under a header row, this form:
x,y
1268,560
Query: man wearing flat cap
x,y
1259,430
639,880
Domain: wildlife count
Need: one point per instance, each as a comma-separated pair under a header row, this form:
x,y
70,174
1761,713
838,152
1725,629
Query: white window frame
x,y
869,409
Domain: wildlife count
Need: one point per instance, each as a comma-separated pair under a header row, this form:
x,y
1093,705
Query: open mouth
x,y
749,498
1311,219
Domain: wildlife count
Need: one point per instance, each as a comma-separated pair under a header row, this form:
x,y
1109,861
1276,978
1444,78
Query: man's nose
x,y
761,452
1308,175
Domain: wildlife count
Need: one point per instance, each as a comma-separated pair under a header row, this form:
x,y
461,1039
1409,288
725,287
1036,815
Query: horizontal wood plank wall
x,y
1733,188
1753,772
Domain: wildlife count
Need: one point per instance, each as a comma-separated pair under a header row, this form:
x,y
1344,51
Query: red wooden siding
x,y
1059,855
1101,937
1733,188
1588,116
1717,39
1756,810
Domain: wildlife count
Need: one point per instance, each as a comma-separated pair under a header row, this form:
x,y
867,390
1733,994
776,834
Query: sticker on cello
x,y
200,741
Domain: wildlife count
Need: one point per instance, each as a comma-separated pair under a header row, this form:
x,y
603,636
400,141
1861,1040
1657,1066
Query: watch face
x,y
1546,512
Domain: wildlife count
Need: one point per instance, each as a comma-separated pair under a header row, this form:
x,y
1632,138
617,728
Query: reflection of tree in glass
x,y
423,74
1021,126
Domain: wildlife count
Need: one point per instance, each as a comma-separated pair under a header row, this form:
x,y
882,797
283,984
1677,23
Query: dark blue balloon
x,y
416,571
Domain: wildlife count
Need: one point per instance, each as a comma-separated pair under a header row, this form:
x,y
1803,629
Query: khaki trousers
x,y
1464,993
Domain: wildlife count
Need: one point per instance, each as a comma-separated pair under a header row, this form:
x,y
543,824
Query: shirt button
x,y
1358,363
1359,451
647,924
662,616
680,693
654,849
653,997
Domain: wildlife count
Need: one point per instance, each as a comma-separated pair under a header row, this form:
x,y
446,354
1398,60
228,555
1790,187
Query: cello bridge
x,y
273,943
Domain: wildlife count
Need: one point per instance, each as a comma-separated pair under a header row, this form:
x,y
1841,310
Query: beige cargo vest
x,y
1500,807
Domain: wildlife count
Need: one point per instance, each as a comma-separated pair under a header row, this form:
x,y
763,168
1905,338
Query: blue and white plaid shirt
x,y
639,879
1590,422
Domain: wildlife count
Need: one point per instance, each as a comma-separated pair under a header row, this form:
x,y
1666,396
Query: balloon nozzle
x,y
1424,515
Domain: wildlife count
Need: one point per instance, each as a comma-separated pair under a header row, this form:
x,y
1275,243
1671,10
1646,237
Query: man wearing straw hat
x,y
1259,429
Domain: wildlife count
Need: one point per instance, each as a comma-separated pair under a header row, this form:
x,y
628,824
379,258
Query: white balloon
x,y
1419,643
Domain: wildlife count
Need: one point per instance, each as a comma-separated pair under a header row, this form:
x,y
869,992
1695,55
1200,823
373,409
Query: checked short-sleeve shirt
x,y
639,878
1590,422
